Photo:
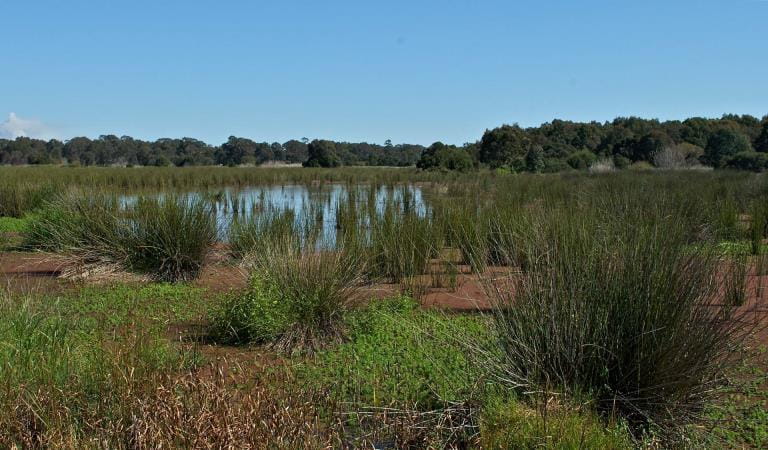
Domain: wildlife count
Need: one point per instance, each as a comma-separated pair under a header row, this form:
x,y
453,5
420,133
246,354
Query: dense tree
x,y
754,161
534,159
295,151
504,146
548,147
722,145
449,157
322,153
761,142
650,144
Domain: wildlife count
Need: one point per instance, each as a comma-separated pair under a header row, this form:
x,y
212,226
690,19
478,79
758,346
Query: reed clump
x,y
621,311
297,298
167,238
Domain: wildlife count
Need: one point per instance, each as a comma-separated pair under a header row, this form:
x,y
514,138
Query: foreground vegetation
x,y
619,312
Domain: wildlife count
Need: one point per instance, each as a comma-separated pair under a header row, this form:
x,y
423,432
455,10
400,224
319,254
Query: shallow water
x,y
307,202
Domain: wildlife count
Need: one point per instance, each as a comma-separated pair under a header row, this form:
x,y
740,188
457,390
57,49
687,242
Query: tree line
x,y
732,141
110,150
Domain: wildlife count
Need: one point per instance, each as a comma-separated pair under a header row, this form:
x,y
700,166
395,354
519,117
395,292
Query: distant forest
x,y
731,141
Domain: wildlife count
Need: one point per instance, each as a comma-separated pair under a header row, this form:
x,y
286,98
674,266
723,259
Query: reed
x,y
619,310
167,238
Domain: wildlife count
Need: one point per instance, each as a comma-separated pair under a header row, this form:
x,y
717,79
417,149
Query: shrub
x,y
552,165
752,161
613,305
602,166
170,237
680,156
621,162
255,316
641,166
582,159
401,245
311,289
19,198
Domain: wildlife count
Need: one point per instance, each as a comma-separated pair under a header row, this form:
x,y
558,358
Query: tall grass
x,y
620,310
297,299
167,238
170,237
19,198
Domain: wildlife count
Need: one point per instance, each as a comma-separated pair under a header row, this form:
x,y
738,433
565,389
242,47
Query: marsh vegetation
x,y
383,307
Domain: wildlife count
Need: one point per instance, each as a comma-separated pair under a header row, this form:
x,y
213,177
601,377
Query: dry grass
x,y
203,409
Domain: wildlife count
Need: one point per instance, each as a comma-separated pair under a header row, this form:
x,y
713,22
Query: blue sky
x,y
410,71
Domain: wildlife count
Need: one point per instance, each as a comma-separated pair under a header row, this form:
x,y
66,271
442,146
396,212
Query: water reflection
x,y
319,203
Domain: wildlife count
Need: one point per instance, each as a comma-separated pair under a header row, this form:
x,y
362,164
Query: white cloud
x,y
15,126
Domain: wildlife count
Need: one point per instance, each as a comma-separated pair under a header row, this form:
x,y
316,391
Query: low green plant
x,y
739,418
13,224
397,355
66,378
110,306
508,423
256,316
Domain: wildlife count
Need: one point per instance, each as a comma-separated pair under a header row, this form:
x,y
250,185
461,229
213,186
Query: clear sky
x,y
411,71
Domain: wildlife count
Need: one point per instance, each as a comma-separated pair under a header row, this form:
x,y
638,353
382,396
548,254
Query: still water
x,y
319,203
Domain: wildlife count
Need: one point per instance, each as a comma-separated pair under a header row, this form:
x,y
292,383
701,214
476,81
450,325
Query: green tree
x,y
722,145
534,159
754,161
503,146
761,142
295,151
449,157
650,144
322,153
582,159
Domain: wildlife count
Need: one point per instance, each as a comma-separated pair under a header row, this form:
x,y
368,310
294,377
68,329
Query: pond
x,y
319,203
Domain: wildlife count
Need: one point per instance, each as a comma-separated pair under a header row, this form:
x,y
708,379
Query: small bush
x,y
401,245
582,159
256,316
602,166
641,166
19,198
309,288
170,237
752,161
553,165
167,238
621,162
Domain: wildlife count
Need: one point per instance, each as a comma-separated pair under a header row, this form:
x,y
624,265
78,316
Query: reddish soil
x,y
40,273
22,272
